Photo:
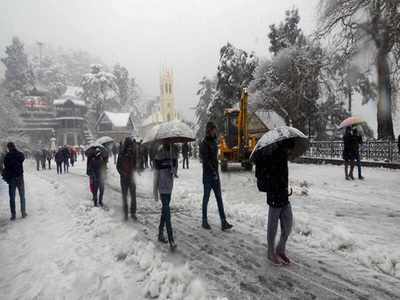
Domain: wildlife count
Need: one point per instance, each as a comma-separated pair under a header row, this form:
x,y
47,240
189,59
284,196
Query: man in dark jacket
x,y
211,180
272,178
114,151
13,174
67,156
126,166
59,158
96,169
185,155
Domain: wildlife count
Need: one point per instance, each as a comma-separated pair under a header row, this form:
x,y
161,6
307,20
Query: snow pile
x,y
381,260
339,239
162,279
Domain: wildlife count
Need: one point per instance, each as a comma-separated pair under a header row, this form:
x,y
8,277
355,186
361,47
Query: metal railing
x,y
385,151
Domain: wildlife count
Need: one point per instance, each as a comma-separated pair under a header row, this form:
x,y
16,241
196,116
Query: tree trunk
x,y
384,109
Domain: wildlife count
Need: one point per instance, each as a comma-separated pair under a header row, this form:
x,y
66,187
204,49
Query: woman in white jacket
x,y
165,166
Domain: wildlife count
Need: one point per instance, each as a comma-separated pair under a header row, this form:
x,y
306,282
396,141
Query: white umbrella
x,y
269,142
174,132
104,140
151,134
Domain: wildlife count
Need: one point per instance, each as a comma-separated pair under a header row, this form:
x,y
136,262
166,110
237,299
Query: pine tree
x,y
19,77
122,81
206,95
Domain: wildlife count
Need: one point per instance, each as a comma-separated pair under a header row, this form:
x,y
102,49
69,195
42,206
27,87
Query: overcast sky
x,y
146,35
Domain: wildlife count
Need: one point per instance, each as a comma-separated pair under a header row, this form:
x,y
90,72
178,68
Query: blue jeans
x,y
14,184
215,185
166,217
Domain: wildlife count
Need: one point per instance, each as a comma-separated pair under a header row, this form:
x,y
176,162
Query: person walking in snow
x,y
164,166
126,166
348,154
43,159
59,159
356,143
13,174
66,157
272,178
211,179
38,158
114,151
49,157
185,155
96,170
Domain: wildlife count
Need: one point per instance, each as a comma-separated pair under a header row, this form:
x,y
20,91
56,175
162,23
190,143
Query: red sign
x,y
35,102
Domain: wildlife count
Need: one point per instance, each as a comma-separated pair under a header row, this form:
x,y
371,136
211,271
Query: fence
x,y
384,151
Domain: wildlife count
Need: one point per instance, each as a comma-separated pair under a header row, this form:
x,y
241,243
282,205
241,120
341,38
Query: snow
x,y
118,119
270,118
74,101
343,242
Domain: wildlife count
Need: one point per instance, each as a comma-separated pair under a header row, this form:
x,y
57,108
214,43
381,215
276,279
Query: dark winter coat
x,y
66,154
126,163
209,158
96,167
348,149
13,164
272,177
59,157
165,165
356,142
185,150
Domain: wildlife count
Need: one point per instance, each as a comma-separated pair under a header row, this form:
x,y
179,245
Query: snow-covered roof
x,y
270,118
76,102
117,119
154,118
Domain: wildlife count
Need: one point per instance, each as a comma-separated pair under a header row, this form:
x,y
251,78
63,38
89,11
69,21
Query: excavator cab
x,y
236,145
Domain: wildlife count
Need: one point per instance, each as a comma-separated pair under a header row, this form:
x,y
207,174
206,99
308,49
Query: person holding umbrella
x,y
271,159
163,185
165,164
211,180
357,142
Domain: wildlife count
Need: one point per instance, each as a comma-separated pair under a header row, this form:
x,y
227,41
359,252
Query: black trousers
x,y
215,185
166,217
59,167
186,162
128,186
98,190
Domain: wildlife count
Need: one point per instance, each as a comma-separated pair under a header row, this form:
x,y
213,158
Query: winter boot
x,y
205,225
12,218
274,259
225,226
162,239
285,259
172,245
24,214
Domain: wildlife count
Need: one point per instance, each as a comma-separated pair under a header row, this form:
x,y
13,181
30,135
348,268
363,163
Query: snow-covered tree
x,y
206,95
363,24
123,83
19,77
99,88
235,71
50,75
287,34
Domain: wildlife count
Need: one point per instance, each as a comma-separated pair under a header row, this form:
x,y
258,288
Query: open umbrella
x,y
151,134
269,141
104,140
351,121
91,150
174,132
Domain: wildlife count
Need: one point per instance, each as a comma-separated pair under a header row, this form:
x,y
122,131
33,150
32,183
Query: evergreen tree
x,y
123,82
235,71
19,77
206,95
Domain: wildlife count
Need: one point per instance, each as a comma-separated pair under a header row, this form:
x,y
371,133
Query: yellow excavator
x,y
236,144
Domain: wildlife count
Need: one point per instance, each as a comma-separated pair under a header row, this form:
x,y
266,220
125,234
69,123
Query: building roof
x,y
76,102
116,119
270,118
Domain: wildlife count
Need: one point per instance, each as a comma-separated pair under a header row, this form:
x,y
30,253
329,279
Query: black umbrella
x,y
270,142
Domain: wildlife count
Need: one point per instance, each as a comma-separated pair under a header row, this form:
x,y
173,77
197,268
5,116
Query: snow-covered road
x,y
345,242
